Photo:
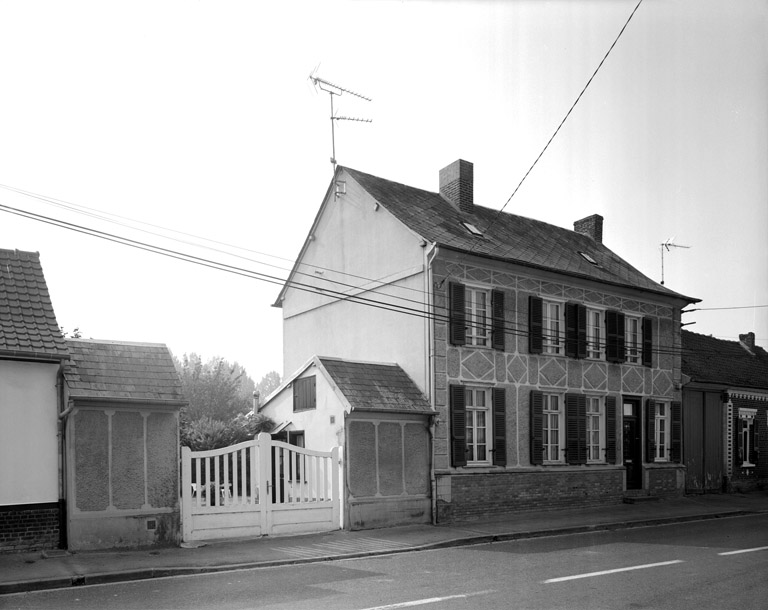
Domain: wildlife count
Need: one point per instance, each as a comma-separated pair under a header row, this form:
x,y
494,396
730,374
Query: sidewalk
x,y
56,569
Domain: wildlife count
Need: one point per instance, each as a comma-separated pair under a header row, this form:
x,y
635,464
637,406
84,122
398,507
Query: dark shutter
x,y
535,325
650,432
571,329
457,314
647,342
739,450
537,428
676,438
576,428
458,426
497,331
581,332
304,393
499,427
610,429
614,336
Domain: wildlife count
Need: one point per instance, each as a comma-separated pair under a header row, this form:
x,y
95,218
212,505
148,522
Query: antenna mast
x,y
666,246
332,90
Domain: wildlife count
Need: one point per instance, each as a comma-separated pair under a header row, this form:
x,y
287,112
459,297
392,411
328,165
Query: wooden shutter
x,y
676,437
576,428
497,330
614,336
650,432
610,429
458,426
571,329
537,428
304,394
581,332
499,427
647,342
535,325
457,314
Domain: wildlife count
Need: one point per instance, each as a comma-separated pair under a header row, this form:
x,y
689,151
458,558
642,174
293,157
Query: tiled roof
x,y
376,387
710,360
507,237
115,370
28,326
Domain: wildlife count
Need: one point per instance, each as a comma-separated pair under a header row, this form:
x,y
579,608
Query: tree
x,y
268,383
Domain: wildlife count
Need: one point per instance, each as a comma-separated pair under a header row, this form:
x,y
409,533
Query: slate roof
x,y
28,327
376,387
710,360
507,237
125,371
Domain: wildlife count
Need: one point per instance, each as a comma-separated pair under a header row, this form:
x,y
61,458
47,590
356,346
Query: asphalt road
x,y
708,564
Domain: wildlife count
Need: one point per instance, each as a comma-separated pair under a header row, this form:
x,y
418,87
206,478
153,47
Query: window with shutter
x,y
304,394
614,336
576,428
458,426
647,342
746,447
552,327
537,428
632,339
457,323
499,427
497,333
575,330
676,432
650,433
478,426
610,429
553,429
535,325
595,345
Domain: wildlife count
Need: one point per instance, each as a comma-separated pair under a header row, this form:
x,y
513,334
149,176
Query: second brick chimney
x,y
591,226
457,185
748,340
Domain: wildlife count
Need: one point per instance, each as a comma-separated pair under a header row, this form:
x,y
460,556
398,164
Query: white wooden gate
x,y
258,488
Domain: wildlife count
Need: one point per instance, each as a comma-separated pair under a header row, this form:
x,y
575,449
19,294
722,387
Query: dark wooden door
x,y
633,456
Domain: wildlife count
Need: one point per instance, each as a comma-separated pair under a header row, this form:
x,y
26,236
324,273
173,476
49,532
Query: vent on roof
x,y
588,258
472,228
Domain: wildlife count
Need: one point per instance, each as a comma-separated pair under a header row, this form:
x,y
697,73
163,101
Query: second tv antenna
x,y
666,246
332,90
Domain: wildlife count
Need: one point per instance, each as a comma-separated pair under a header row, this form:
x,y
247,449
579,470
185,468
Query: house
x,y
725,402
122,444
32,355
381,419
551,364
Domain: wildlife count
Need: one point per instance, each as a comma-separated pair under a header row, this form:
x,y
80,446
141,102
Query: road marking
x,y
429,600
759,548
614,571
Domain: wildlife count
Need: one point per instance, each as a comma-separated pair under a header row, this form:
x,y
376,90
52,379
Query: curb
x,y
83,580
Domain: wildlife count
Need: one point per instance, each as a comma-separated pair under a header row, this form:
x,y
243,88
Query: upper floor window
x,y
477,316
632,339
594,334
552,327
304,394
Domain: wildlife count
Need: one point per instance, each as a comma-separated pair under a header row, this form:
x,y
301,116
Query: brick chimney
x,y
457,185
591,226
748,341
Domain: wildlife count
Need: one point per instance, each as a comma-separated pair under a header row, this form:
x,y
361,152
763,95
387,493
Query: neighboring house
x,y
381,419
725,405
552,365
122,440
32,352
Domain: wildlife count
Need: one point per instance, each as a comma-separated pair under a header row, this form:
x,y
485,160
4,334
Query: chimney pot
x,y
457,184
591,226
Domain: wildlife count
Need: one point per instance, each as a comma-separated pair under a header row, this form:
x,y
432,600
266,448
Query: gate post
x,y
186,493
336,470
264,444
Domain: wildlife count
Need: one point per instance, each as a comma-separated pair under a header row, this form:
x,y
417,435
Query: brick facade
x,y
29,527
749,478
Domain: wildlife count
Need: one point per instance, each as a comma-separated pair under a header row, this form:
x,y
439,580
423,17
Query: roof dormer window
x,y
472,229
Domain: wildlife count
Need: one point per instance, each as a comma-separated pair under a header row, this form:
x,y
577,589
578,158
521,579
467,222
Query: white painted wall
x,y
319,433
359,244
28,433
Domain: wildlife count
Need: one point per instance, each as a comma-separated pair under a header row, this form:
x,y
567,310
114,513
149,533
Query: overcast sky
x,y
198,117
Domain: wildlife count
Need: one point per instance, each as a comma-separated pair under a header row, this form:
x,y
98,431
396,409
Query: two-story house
x,y
551,364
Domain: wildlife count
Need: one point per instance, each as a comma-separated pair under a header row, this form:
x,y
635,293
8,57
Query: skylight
x,y
472,228
588,258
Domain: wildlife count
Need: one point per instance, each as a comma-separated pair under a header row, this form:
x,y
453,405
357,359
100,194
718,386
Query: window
x,y
594,334
553,415
664,432
478,331
632,339
552,327
478,426
746,441
661,439
304,394
595,429
478,421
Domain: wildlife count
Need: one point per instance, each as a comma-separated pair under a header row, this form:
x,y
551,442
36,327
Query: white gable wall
x,y
29,459
355,246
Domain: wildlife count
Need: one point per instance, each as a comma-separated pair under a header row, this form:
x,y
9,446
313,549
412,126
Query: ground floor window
x,y
747,438
595,429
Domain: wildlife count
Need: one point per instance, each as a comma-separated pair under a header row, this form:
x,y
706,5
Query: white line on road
x,y
759,548
614,571
429,600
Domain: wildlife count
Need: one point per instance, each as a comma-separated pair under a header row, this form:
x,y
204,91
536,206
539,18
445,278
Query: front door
x,y
632,443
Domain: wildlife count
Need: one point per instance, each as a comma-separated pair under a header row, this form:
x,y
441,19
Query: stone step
x,y
637,498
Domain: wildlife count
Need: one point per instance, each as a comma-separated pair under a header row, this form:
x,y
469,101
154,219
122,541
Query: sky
x,y
193,126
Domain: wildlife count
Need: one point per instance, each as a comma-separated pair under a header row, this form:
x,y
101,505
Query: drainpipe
x,y
61,433
429,256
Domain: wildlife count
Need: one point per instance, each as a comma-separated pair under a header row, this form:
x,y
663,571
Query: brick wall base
x,y
474,496
29,527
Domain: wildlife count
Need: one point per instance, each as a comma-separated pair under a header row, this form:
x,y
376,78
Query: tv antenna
x,y
332,90
666,246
